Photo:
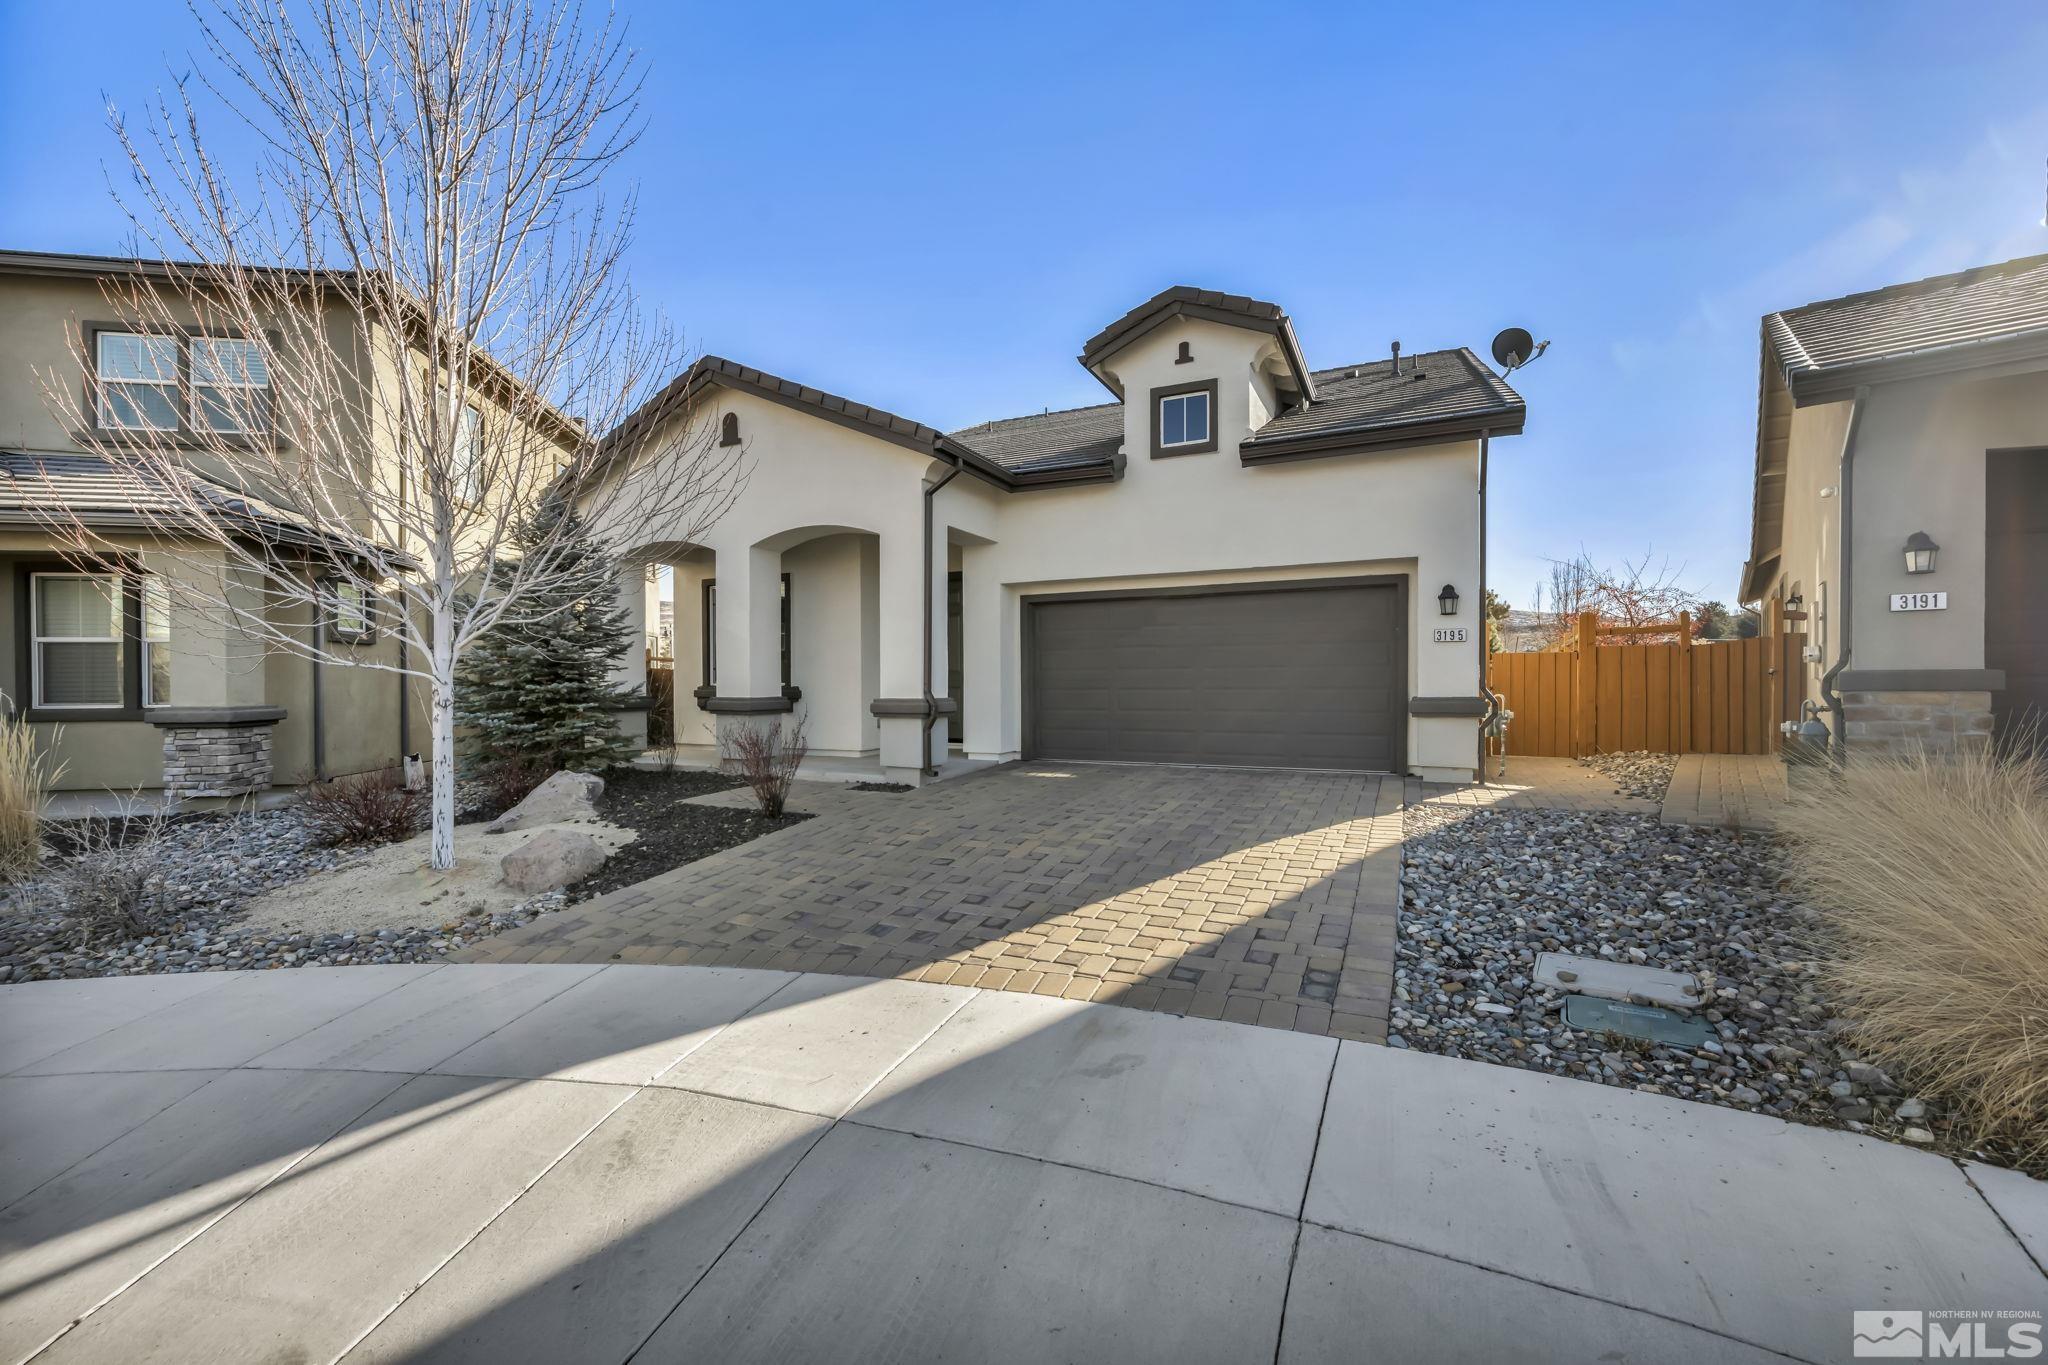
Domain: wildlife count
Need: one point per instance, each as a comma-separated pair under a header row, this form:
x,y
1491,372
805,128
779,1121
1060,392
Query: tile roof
x,y
1971,307
1433,388
45,488
1257,310
1049,440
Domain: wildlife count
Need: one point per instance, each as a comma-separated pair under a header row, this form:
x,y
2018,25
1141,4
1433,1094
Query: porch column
x,y
900,708
630,672
747,639
981,664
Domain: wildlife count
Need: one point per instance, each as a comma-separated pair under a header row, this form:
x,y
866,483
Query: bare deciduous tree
x,y
435,330
1634,594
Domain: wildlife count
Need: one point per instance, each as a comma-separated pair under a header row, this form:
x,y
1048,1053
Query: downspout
x,y
319,695
1486,692
1847,609
931,703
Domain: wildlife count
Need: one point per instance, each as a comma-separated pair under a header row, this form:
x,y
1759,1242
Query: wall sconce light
x,y
1795,602
1920,548
1447,601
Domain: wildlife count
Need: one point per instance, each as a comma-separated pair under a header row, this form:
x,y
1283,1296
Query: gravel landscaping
x,y
214,864
1635,773
1484,892
672,832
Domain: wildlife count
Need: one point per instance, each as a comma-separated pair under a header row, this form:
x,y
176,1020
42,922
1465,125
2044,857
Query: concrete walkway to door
x,y
576,1163
1254,896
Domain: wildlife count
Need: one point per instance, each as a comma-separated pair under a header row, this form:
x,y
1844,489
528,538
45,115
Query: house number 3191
x,y
1450,635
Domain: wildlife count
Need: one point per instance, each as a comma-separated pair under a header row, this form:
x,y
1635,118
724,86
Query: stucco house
x,y
1901,502
133,687
1240,559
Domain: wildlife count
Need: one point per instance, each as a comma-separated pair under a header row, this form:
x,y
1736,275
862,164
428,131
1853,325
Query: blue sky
x,y
930,207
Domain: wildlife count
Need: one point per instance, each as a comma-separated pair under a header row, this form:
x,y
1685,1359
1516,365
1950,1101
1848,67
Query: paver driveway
x,y
1255,896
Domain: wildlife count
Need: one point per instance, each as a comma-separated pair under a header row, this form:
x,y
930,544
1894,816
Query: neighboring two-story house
x,y
1901,503
137,687
1239,560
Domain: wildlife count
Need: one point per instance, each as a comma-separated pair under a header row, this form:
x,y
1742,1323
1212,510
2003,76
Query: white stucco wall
x,y
841,510
1194,519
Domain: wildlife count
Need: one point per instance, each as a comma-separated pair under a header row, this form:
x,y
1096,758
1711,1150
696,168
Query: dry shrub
x,y
26,774
1931,874
109,884
508,780
369,808
766,758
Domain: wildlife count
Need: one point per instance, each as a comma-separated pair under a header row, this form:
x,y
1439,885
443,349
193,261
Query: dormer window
x,y
1184,419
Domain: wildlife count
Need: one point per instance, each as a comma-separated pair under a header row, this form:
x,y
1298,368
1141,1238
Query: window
x,y
182,384
711,631
352,619
230,385
75,620
1183,420
138,382
465,463
156,643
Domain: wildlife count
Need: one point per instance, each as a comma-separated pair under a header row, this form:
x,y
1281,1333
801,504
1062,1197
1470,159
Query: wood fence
x,y
1688,697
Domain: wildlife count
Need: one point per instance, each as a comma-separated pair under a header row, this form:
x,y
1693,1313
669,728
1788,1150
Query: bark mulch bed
x,y
672,832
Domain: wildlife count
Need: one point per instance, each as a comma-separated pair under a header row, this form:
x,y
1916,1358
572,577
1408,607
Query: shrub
x,y
369,808
26,774
1928,872
109,885
766,760
507,780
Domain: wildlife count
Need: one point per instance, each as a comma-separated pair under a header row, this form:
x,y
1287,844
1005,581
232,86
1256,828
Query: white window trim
x,y
36,641
1208,419
146,646
194,407
106,386
367,608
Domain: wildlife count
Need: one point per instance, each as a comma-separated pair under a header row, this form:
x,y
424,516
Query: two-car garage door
x,y
1274,676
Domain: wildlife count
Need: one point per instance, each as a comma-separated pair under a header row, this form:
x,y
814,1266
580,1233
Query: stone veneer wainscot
x,y
222,752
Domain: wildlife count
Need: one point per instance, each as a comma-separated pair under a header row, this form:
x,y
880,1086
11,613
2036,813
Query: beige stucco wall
x,y
41,319
1920,467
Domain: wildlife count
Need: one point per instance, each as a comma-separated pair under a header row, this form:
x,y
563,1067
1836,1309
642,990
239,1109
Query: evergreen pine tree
x,y
539,692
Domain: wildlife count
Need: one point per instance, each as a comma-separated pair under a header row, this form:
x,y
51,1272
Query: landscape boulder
x,y
563,796
551,860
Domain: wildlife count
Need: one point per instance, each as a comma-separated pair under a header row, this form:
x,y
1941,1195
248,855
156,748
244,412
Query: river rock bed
x,y
1483,892
1636,772
213,864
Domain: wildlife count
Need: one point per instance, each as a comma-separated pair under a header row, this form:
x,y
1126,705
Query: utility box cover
x,y
1617,980
1646,1022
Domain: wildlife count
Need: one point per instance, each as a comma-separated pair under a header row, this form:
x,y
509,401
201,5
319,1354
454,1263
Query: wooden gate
x,y
1688,697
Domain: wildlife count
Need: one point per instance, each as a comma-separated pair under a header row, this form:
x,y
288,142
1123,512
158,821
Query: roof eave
x,y
1504,421
1813,384
1127,330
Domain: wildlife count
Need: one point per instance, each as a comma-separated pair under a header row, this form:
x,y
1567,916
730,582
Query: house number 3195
x,y
1450,635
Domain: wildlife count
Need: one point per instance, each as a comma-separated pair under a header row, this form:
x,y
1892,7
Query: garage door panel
x,y
1287,677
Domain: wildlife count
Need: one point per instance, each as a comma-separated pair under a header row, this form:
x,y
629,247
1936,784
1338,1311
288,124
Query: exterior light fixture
x,y
1920,548
1447,601
1795,602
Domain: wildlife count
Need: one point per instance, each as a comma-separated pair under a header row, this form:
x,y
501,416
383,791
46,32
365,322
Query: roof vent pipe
x,y
1397,358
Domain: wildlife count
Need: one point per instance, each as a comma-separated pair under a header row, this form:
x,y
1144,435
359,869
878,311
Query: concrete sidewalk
x,y
557,1162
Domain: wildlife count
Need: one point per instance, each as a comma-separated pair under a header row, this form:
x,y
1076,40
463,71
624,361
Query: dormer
x,y
1198,371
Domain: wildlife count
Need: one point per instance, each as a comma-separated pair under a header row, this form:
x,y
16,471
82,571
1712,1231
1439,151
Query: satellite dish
x,y
1512,348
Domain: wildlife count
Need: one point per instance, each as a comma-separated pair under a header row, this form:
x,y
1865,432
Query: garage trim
x,y
1029,632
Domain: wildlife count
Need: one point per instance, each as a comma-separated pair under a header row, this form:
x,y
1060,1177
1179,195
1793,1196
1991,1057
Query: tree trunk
x,y
443,732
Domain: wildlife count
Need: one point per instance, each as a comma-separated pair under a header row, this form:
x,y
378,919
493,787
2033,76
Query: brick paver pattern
x,y
1255,896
